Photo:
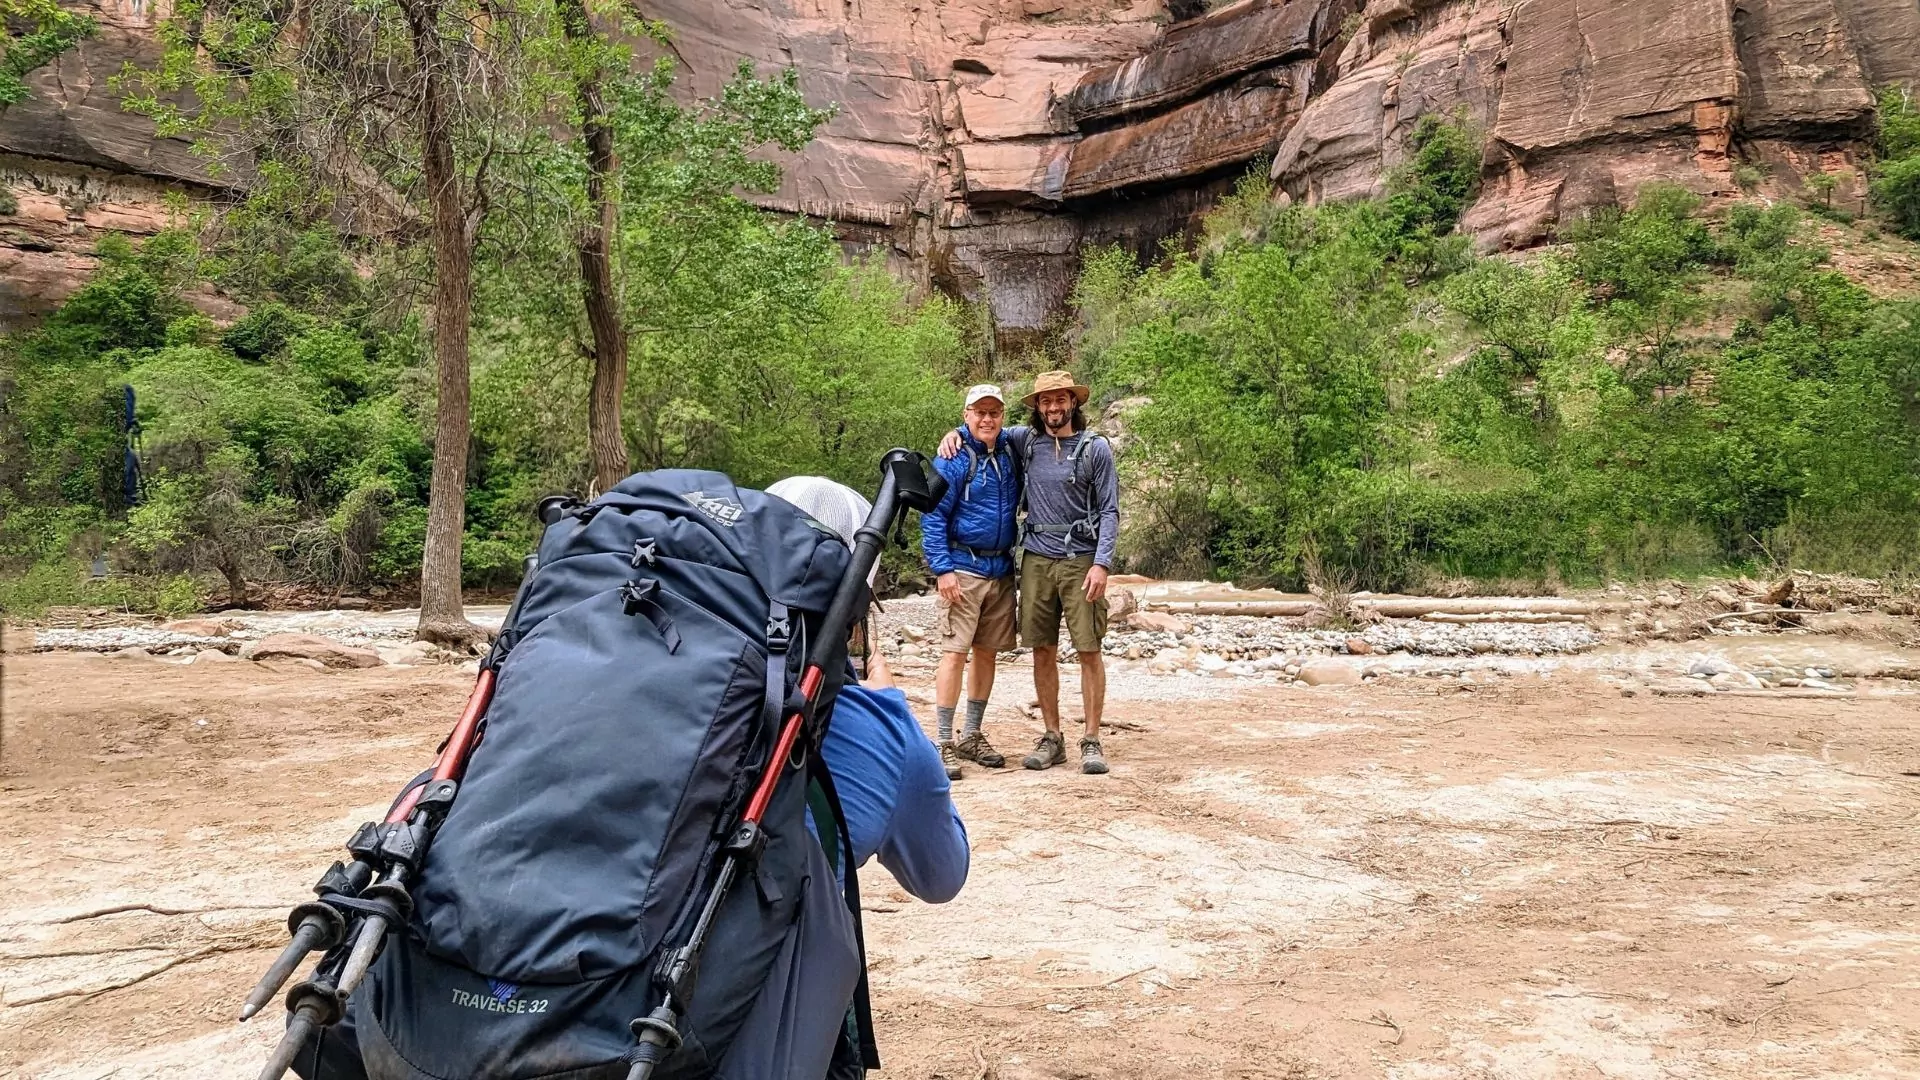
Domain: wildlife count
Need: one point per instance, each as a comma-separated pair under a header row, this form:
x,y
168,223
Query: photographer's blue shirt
x,y
895,794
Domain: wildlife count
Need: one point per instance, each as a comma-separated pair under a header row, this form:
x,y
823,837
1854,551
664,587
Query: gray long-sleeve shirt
x,y
1054,500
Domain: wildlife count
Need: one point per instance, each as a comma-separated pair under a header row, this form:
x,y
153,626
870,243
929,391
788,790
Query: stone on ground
x,y
1329,672
325,651
1157,621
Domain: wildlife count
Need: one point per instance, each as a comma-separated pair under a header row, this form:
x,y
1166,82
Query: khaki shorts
x,y
1051,588
983,619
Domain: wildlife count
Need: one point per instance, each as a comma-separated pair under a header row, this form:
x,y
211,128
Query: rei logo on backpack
x,y
645,678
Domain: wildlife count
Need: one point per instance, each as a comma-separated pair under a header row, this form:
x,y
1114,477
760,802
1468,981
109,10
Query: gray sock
x,y
976,712
944,721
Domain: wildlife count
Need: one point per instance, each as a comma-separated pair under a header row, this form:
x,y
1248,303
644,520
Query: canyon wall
x,y
983,145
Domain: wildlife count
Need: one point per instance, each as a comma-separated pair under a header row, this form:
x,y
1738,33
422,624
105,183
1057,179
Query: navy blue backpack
x,y
640,687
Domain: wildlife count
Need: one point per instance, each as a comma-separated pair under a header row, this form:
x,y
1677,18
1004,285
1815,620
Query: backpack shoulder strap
x,y
862,1012
973,470
1087,438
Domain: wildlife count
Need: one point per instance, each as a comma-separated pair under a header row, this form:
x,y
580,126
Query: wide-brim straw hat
x,y
1057,380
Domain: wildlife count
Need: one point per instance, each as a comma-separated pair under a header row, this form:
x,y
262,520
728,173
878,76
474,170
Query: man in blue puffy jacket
x,y
968,541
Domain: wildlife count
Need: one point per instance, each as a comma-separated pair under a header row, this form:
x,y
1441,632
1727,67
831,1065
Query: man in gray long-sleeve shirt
x,y
1072,499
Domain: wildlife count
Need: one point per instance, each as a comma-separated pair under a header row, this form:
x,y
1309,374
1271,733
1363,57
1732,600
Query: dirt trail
x,y
1534,878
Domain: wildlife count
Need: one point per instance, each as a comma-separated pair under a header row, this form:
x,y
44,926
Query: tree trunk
x,y
606,439
236,582
442,616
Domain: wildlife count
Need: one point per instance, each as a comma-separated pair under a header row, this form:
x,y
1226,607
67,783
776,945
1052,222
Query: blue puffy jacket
x,y
975,517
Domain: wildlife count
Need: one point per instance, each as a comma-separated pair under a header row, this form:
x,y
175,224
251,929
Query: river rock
x,y
199,627
1329,672
1158,622
324,651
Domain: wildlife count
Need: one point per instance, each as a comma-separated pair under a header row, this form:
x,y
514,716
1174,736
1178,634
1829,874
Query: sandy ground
x,y
1527,877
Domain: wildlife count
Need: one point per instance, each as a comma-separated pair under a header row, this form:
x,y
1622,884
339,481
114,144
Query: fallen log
x,y
1506,616
1725,615
1275,609
1392,608
1417,607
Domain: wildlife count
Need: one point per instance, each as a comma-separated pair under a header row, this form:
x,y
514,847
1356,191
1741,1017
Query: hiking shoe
x,y
1092,761
949,759
976,748
1050,750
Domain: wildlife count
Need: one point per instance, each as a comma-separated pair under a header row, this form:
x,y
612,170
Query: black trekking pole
x,y
905,482
361,901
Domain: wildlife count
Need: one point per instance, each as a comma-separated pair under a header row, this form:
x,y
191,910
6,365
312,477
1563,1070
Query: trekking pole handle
x,y
906,482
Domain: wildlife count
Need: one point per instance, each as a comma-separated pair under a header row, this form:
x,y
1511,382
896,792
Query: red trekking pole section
x,y
789,734
452,761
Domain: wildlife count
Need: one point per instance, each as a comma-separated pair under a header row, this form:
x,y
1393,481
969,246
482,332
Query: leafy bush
x,y
1896,186
1318,409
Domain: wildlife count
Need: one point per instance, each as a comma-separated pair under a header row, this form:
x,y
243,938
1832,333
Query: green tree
x,y
1896,184
35,33
392,112
685,254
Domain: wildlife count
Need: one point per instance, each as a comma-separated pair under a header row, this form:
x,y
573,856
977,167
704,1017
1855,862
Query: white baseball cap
x,y
982,391
828,502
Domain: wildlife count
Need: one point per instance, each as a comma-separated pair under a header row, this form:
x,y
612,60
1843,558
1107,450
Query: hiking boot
x,y
1092,761
1050,750
976,748
951,760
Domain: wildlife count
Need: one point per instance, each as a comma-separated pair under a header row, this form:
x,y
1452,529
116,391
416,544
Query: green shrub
x,y
1896,192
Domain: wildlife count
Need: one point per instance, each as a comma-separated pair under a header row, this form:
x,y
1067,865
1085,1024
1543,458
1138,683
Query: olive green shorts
x,y
1054,588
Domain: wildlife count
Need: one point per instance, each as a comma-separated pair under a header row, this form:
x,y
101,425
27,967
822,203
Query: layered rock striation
x,y
985,145
78,167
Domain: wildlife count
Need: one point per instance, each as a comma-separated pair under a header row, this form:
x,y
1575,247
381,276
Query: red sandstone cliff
x,y
984,144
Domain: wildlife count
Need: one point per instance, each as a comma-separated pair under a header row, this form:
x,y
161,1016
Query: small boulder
x,y
1329,672
1706,667
1735,680
214,656
1158,621
130,653
352,603
409,653
1121,603
1209,662
914,634
1359,646
324,651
